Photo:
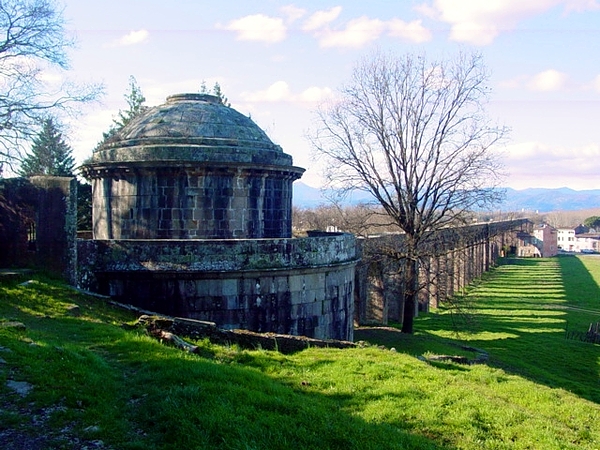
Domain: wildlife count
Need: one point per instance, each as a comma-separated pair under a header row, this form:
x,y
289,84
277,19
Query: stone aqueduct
x,y
456,258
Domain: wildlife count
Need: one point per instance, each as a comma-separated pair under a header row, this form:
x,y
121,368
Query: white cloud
x,y
292,13
362,30
258,27
354,33
548,80
582,5
596,83
321,19
315,94
132,38
280,92
411,31
480,22
357,33
535,164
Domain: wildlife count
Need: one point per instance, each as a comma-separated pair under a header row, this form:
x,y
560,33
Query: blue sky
x,y
276,60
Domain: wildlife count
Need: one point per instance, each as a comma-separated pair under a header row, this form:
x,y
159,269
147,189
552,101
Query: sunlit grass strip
x,y
523,324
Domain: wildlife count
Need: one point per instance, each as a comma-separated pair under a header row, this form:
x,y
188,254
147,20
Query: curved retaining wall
x,y
299,286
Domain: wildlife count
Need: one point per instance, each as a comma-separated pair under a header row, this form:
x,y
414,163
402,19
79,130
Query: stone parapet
x,y
212,255
299,286
199,150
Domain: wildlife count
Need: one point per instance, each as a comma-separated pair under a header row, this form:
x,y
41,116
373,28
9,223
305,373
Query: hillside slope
x,y
76,373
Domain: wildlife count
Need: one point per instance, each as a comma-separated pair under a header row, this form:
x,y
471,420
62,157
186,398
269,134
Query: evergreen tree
x,y
49,154
84,206
217,92
135,101
592,222
203,88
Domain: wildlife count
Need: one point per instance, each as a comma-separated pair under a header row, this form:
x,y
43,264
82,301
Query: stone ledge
x,y
197,329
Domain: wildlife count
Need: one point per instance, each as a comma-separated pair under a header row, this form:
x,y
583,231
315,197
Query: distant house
x,y
542,242
579,239
566,239
526,245
547,239
587,243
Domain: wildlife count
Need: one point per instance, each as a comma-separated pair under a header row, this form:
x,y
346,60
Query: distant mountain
x,y
533,199
306,196
546,200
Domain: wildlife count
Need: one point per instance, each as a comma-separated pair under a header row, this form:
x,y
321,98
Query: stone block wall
x,y
453,259
288,286
38,224
192,203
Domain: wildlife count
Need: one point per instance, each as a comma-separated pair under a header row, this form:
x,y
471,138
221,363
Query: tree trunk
x,y
411,293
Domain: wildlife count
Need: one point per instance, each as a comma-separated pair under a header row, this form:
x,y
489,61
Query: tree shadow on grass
x,y
519,315
581,288
163,398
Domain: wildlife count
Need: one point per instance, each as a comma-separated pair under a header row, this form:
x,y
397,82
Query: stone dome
x,y
191,168
193,128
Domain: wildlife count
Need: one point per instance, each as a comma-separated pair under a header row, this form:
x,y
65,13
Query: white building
x,y
569,241
587,243
565,238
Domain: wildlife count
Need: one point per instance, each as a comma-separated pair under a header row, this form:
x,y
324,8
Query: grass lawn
x,y
89,382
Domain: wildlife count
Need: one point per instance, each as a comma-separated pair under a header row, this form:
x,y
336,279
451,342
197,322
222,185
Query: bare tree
x,y
414,134
360,219
32,42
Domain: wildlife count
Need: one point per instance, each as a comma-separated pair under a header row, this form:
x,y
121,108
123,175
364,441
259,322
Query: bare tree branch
x,y
32,43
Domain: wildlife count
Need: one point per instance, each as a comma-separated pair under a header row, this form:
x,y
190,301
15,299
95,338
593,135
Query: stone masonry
x,y
192,207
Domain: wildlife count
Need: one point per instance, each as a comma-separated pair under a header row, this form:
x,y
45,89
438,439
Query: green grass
x,y
520,313
94,379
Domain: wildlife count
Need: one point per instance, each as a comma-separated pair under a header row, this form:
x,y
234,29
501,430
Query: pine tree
x,y
135,101
203,88
217,92
49,154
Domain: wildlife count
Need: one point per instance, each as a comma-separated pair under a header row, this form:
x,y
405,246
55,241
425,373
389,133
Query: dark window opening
x,y
31,237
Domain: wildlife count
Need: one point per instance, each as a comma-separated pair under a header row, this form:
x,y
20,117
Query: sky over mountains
x,y
539,200
277,60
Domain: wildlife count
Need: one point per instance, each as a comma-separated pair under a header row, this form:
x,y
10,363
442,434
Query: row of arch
x,y
454,258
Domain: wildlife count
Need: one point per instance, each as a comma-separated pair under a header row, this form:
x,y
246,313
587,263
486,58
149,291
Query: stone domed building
x,y
192,208
192,169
